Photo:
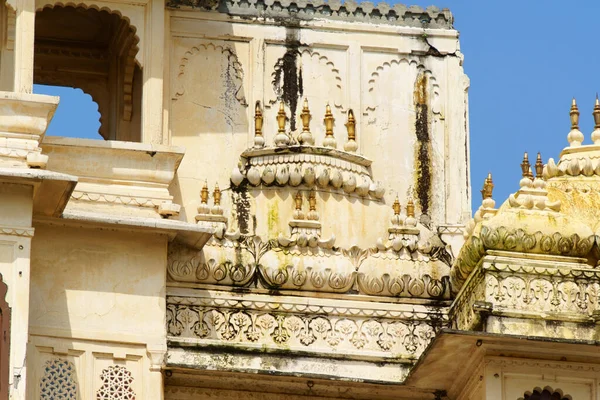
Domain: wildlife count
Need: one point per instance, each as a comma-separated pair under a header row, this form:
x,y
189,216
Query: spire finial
x,y
305,116
281,117
217,195
312,201
258,119
329,140
281,139
488,187
596,113
351,125
351,144
574,113
575,136
410,208
259,140
539,166
396,206
306,138
298,201
328,121
204,193
525,166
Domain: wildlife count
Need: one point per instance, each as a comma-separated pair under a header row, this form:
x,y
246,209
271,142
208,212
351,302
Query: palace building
x,y
281,210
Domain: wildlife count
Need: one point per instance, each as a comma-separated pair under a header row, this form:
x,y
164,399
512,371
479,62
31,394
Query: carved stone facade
x,y
293,221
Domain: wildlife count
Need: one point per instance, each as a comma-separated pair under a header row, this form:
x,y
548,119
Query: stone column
x,y
25,189
152,95
24,38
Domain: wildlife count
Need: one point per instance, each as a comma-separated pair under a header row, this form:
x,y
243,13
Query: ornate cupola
x,y
536,257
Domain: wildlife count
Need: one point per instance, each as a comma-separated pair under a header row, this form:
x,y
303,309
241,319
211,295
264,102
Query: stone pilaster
x,y
25,190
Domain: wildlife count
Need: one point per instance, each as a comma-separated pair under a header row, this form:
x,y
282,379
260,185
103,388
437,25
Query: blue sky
x,y
526,59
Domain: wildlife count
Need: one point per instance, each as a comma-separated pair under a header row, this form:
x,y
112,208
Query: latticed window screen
x,y
116,384
58,381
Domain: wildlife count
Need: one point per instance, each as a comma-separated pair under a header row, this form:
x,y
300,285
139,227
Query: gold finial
x,y
410,208
525,166
574,115
596,113
488,187
351,125
298,201
217,195
258,120
305,116
204,193
281,117
539,166
328,121
312,201
396,206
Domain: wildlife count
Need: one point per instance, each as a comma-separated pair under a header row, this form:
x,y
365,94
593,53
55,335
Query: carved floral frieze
x,y
515,289
316,330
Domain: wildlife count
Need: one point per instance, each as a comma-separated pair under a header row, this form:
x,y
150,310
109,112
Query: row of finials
x,y
283,139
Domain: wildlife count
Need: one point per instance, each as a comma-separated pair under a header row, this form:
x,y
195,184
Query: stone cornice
x,y
349,11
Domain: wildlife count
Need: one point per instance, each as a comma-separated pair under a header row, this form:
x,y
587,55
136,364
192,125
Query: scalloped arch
x,y
420,68
323,61
96,98
387,65
547,393
231,58
135,21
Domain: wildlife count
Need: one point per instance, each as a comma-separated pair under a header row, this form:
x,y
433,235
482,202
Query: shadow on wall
x,y
77,114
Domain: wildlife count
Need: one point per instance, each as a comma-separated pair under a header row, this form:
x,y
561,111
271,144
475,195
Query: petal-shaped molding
x,y
340,171
384,274
522,231
321,271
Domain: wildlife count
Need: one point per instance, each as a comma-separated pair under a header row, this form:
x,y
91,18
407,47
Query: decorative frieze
x,y
351,11
329,327
301,263
538,288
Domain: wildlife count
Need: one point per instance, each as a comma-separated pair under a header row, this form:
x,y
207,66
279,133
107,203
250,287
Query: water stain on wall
x,y
423,146
287,75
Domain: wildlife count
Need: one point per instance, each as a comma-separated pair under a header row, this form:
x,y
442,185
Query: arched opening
x,y
545,394
92,50
77,114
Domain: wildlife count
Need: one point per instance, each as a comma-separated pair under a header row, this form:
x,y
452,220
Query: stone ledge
x,y
51,189
348,11
195,235
287,364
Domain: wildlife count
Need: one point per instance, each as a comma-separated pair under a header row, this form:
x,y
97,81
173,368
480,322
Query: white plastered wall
x,y
219,69
98,302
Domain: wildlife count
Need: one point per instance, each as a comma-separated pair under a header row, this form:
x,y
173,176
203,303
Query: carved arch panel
x,y
209,92
401,109
546,393
294,73
92,48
